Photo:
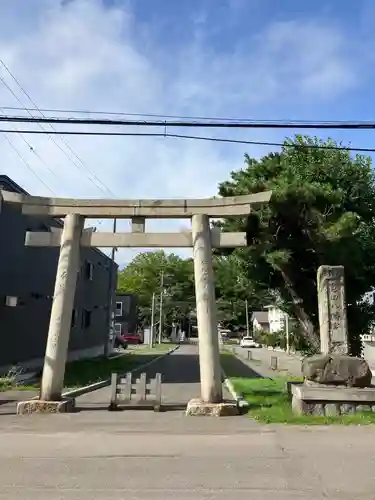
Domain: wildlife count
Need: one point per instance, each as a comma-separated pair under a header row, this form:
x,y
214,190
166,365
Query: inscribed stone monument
x,y
332,310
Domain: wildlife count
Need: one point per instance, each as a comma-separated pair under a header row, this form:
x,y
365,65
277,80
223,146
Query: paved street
x,y
180,375
141,455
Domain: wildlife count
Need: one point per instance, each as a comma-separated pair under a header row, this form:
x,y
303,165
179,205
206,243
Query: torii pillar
x,y
52,383
209,350
211,400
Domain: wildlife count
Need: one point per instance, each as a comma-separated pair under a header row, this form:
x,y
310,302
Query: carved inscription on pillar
x,y
332,310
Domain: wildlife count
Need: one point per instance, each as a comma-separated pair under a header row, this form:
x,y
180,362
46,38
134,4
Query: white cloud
x,y
83,55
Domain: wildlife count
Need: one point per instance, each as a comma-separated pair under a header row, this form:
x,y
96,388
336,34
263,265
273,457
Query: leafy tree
x,y
149,272
233,289
321,212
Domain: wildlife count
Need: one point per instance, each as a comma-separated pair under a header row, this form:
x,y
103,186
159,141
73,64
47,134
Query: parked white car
x,y
249,342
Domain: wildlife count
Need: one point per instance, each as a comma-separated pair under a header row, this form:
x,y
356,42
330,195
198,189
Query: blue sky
x,y
261,59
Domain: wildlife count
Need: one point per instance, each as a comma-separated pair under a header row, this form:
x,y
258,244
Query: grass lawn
x,y
88,371
269,404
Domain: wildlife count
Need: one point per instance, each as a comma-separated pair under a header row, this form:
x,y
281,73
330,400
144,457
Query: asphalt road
x,y
139,455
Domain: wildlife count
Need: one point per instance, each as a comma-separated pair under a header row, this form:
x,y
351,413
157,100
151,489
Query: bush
x,y
9,381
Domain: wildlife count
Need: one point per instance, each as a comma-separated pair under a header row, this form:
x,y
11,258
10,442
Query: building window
x,y
11,301
118,308
89,270
86,319
118,328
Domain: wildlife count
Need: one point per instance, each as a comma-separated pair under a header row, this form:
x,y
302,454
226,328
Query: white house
x,y
277,319
260,322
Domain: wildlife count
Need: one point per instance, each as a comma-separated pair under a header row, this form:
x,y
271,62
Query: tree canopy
x,y
321,212
149,272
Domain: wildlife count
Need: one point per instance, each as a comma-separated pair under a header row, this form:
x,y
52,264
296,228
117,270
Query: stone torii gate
x,y
70,239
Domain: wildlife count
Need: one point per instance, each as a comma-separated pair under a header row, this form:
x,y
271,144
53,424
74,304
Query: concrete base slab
x,y
331,400
39,406
197,407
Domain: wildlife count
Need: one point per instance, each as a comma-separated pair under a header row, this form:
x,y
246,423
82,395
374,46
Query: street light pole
x,y
161,306
110,318
152,332
247,318
287,333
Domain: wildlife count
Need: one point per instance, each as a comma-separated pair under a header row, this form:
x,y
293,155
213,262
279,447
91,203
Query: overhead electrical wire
x,y
91,176
25,162
193,124
163,116
33,150
195,137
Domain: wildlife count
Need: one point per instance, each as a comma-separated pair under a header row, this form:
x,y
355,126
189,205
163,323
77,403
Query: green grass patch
x,y
88,371
269,403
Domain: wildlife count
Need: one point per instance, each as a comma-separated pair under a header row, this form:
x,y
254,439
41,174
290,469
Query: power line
x,y
25,162
32,149
195,137
155,115
53,129
196,124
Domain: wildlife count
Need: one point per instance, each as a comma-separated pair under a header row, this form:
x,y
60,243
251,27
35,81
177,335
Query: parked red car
x,y
131,338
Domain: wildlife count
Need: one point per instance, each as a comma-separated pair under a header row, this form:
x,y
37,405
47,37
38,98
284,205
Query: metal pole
x,y
287,333
247,318
110,317
152,333
161,306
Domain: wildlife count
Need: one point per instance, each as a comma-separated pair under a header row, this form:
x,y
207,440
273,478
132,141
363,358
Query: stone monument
x,y
332,310
334,382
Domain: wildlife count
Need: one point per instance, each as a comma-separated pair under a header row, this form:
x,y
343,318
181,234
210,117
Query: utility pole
x,y
110,318
247,318
287,333
152,330
161,306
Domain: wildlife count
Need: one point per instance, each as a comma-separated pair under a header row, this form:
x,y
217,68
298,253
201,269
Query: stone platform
x,y
39,406
197,407
331,401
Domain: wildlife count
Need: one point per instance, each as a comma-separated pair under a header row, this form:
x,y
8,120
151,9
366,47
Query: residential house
x,y
126,313
272,320
260,321
27,279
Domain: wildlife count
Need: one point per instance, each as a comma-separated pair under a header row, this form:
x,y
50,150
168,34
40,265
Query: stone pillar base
x,y
197,407
39,406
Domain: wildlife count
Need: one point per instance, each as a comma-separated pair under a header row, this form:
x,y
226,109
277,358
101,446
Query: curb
x,y
105,383
74,393
241,402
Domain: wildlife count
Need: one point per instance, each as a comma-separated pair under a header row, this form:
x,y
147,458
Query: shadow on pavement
x,y
181,369
132,407
234,367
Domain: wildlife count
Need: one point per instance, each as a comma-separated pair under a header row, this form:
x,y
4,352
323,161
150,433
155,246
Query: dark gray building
x,y
126,313
27,279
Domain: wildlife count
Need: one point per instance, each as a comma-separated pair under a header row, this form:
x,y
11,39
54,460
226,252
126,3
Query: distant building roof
x,y
260,316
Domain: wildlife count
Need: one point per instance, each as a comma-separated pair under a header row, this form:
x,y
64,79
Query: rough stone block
x,y
338,370
197,407
332,410
364,408
318,410
347,409
38,406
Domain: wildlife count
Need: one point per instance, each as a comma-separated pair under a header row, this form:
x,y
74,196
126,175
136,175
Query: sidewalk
x,y
288,364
